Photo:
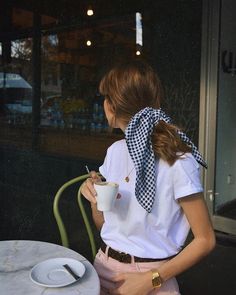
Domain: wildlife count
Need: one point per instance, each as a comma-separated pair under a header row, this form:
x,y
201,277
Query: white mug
x,y
106,195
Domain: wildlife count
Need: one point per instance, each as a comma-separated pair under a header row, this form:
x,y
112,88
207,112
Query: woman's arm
x,y
196,212
97,216
89,193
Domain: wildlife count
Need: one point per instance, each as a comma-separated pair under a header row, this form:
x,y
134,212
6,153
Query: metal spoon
x,y
71,272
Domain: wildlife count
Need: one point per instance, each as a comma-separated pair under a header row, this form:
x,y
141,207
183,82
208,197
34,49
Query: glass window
x,y
80,40
73,62
16,84
225,183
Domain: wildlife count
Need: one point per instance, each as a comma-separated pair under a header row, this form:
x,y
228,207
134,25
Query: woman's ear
x,y
109,112
110,106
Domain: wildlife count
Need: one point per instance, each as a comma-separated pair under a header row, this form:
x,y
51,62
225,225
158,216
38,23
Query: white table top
x,y
18,257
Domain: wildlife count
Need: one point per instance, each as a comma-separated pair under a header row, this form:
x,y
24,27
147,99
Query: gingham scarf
x,y
138,139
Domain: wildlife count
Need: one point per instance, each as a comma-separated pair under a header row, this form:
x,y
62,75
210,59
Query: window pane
x,y
225,183
73,62
16,84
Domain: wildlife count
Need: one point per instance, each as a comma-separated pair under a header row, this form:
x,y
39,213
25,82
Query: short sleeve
x,y
104,168
186,177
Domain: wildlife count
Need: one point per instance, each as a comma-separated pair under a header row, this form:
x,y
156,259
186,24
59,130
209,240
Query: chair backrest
x,y
60,223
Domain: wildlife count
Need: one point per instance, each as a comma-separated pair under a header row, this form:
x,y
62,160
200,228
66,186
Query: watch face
x,y
156,280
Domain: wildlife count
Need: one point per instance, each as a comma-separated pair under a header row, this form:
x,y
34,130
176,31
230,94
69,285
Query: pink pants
x,y
107,267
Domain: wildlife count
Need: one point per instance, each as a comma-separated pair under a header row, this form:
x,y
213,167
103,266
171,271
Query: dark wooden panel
x,y
72,143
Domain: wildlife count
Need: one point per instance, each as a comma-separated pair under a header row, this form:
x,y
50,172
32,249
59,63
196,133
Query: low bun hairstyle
x,y
131,87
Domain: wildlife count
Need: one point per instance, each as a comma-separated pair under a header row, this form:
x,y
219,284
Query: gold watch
x,y
156,279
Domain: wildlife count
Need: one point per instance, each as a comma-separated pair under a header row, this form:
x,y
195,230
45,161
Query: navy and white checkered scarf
x,y
138,139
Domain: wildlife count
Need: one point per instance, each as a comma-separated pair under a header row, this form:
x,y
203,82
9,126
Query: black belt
x,y
127,258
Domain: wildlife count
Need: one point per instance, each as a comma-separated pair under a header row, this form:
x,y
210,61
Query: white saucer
x,y
51,273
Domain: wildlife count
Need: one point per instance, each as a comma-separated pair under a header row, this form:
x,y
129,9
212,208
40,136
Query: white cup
x,y
106,195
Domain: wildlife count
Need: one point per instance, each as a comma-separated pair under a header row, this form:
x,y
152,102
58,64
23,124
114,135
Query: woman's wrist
x,y
156,279
93,205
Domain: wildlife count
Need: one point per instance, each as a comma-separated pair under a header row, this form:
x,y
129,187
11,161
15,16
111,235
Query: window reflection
x,y
76,50
16,84
139,29
73,62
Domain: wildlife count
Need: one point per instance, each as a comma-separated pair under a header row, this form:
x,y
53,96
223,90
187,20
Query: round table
x,y
17,258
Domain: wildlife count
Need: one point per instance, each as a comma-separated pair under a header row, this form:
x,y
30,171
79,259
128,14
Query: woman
x,y
160,193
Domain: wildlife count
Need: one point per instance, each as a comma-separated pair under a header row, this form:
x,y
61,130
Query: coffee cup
x,y
106,195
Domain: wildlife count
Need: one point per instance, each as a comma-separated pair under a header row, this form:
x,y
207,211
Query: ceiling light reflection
x,y
90,12
88,43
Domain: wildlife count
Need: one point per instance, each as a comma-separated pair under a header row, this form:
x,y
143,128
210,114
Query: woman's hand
x,y
138,283
89,193
88,190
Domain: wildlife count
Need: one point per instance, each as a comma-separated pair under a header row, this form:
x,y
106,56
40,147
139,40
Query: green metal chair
x,y
56,212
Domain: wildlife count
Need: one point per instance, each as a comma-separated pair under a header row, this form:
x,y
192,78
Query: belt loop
x,y
106,252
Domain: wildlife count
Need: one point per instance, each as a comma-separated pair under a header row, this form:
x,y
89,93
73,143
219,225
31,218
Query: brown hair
x,y
133,86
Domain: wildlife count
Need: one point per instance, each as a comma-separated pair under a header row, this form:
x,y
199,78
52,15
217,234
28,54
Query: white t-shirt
x,y
129,227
